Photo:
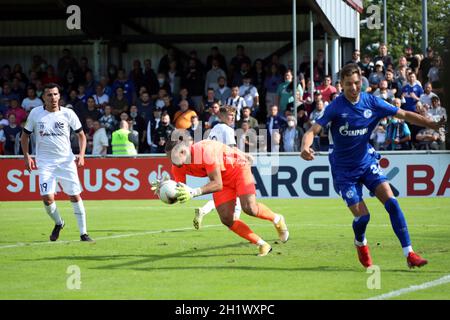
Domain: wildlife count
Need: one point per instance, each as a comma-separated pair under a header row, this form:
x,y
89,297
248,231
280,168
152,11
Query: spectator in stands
x,y
112,74
327,89
66,63
82,93
121,144
83,69
428,93
392,84
271,83
356,58
285,92
213,75
398,135
127,86
413,62
144,105
119,102
319,67
31,101
90,112
194,82
319,108
50,76
213,119
74,103
215,54
108,121
18,88
100,142
223,92
7,95
195,130
434,74
291,136
367,66
247,140
164,63
163,133
428,139
138,123
17,110
207,103
239,74
89,132
174,76
236,101
238,59
376,76
258,74
425,65
246,116
378,135
411,92
90,84
100,97
182,118
274,124
383,55
383,92
10,132
250,94
137,75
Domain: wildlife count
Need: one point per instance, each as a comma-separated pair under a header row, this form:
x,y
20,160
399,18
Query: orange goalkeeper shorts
x,y
236,183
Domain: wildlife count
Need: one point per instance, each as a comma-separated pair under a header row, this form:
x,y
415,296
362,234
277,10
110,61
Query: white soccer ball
x,y
167,192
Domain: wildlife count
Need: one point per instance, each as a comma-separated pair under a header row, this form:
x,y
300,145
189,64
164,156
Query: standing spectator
x,y
428,94
319,67
90,84
413,62
82,93
144,106
195,130
239,74
91,111
285,92
109,122
17,110
258,74
50,76
83,69
223,92
275,59
274,124
434,74
183,95
137,75
162,83
392,84
398,135
127,86
164,63
367,66
238,59
271,83
6,96
215,54
246,116
31,101
213,75
250,94
411,92
174,76
236,101
182,118
213,119
247,140
150,78
163,134
425,65
383,56
356,58
378,135
119,102
138,124
100,97
100,141
383,92
10,132
75,104
291,136
66,63
327,89
436,112
194,82
207,103
376,76
89,131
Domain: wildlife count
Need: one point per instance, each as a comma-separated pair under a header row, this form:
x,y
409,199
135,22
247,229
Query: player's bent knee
x,y
75,198
48,200
250,209
227,221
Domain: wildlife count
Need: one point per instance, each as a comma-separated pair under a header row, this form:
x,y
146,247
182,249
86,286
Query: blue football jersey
x,y
350,128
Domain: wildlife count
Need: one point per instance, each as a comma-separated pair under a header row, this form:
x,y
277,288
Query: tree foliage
x,y
404,26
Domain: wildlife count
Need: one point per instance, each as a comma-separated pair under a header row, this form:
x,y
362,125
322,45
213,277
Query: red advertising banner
x,y
101,178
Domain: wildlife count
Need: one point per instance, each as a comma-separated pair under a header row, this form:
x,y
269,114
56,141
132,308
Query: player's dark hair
x,y
52,85
349,70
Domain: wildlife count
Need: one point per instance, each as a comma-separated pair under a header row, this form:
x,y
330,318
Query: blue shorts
x,y
349,183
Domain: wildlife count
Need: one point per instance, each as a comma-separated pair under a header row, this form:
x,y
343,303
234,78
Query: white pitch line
x,y
413,288
17,245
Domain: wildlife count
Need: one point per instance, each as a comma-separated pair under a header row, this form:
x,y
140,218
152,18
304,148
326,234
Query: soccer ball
x,y
167,192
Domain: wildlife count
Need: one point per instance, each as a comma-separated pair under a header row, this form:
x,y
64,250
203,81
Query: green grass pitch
x,y
148,250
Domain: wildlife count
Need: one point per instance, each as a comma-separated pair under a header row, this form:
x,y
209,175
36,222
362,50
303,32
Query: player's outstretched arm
x,y
185,193
25,142
420,120
82,144
306,152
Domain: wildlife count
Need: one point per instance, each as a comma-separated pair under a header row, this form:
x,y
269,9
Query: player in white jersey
x,y
222,132
55,161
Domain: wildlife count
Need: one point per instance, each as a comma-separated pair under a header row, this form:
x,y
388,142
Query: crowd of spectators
x,y
185,93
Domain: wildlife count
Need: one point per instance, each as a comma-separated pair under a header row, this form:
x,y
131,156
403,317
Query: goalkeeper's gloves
x,y
156,185
185,193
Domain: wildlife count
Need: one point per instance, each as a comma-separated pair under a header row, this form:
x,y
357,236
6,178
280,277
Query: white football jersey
x,y
52,132
223,133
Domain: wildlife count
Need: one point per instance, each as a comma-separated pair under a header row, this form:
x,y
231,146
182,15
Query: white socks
x,y
277,218
360,244
80,215
208,207
407,250
52,211
237,209
260,242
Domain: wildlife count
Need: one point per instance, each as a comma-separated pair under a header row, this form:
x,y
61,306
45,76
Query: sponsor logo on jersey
x,y
350,194
344,131
59,125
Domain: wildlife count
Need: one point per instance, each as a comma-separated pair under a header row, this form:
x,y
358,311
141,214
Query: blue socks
x,y
359,227
398,222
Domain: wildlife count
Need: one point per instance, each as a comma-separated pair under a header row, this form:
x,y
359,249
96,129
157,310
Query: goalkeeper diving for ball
x,y
230,178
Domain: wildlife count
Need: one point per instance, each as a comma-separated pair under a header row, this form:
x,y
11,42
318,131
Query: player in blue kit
x,y
352,118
